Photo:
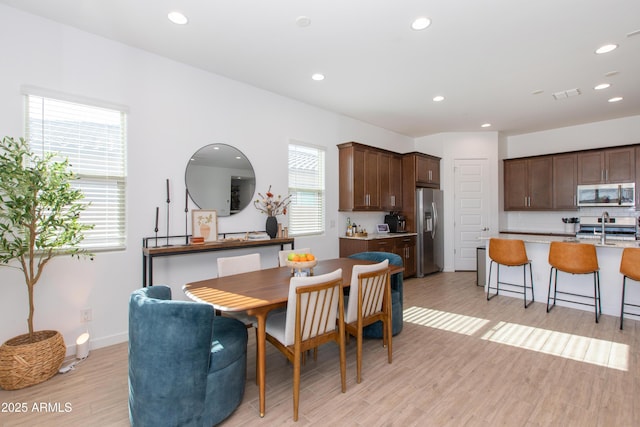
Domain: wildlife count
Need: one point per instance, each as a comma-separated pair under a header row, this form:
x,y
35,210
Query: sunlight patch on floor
x,y
450,322
575,347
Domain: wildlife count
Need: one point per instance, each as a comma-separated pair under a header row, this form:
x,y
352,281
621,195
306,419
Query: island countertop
x,y
557,237
537,246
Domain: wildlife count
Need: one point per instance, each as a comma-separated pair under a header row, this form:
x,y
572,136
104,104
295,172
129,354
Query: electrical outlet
x,y
85,315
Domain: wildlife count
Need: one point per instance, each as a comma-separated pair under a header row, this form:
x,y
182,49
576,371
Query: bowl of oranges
x,y
300,261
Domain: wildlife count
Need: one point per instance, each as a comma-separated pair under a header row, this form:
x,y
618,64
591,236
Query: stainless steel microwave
x,y
607,194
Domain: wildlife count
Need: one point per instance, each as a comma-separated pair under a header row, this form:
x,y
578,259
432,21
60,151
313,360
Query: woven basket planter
x,y
24,363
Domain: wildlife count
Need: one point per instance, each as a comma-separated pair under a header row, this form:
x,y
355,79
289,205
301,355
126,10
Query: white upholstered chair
x,y
229,266
369,301
314,316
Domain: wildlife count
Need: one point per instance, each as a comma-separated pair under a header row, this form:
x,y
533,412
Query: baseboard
x,y
100,342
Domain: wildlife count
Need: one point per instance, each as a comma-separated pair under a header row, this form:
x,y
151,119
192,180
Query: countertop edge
x,y
376,236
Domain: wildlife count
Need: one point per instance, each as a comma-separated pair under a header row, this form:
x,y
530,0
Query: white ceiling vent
x,y
566,94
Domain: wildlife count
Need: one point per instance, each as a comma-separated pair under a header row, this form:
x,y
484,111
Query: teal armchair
x,y
187,367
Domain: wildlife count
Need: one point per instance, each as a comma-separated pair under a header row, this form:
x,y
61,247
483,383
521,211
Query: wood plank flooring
x,y
460,361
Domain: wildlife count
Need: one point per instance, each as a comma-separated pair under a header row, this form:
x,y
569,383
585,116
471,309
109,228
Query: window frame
x,y
108,187
318,227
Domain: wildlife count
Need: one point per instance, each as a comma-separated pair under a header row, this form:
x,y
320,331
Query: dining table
x,y
257,293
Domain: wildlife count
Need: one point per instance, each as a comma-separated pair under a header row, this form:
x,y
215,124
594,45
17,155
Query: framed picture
x,y
204,223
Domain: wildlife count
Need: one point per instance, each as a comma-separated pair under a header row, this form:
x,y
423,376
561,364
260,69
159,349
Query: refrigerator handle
x,y
435,220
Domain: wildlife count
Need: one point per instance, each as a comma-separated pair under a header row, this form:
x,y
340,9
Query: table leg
x,y
261,355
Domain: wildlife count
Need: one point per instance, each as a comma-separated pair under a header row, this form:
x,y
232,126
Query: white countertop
x,y
548,238
374,236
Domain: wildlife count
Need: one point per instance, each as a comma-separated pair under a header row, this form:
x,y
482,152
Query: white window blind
x,y
94,140
307,189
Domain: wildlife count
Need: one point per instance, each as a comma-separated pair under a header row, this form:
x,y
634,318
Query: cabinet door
x,y
620,165
428,171
591,167
390,182
359,180
565,180
372,179
406,248
540,178
434,174
516,192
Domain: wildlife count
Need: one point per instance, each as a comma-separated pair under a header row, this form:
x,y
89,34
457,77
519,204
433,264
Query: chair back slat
x,y
372,286
360,297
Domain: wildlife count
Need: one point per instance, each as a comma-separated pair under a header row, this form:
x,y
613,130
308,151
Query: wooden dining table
x,y
259,292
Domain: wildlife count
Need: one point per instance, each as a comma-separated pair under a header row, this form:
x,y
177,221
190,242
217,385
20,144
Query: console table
x,y
149,253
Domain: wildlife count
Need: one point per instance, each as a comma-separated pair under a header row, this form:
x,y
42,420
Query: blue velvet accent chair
x,y
187,367
375,330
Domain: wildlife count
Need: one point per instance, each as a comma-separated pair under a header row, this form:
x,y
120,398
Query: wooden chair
x,y
314,305
509,253
282,255
630,269
369,301
574,258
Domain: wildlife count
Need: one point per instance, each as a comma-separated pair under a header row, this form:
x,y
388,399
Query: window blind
x,y
94,140
307,189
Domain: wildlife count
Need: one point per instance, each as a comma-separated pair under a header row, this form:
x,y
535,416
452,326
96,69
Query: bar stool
x,y
574,258
510,253
630,268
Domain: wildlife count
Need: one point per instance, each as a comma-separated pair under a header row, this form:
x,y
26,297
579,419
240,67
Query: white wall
x,y
174,110
607,133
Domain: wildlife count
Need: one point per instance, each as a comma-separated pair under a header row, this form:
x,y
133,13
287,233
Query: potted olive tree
x,y
39,220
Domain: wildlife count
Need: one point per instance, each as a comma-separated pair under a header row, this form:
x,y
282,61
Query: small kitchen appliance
x,y
396,222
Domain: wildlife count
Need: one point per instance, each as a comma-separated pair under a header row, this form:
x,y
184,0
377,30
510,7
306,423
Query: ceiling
x,y
494,61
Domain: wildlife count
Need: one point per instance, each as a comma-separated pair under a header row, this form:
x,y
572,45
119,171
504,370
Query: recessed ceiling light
x,y
438,98
303,21
420,23
606,48
486,125
615,99
318,77
177,18
602,86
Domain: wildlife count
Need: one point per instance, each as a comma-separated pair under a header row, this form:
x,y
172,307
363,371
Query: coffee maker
x,y
396,222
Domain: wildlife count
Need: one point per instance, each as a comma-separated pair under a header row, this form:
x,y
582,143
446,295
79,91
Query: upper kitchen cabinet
x,y
565,179
390,167
370,178
528,183
607,166
421,170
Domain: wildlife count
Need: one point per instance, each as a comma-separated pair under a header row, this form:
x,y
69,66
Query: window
x,y
94,139
306,186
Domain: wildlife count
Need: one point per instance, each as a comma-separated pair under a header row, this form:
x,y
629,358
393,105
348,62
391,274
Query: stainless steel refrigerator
x,y
429,217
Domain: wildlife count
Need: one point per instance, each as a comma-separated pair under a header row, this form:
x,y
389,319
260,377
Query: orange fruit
x,y
310,257
303,257
295,258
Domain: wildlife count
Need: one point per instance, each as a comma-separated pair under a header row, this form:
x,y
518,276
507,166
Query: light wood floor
x,y
460,361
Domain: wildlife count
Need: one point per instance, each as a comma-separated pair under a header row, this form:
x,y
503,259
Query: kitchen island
x,y
537,246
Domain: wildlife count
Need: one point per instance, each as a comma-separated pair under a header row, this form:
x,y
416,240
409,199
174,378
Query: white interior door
x,y
471,210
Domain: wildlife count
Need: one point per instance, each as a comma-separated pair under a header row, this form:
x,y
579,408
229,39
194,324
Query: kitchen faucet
x,y
605,218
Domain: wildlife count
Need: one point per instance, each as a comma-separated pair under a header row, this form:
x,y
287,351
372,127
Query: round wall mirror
x,y
220,177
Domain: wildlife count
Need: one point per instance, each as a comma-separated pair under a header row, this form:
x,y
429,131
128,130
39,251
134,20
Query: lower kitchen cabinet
x,y
404,246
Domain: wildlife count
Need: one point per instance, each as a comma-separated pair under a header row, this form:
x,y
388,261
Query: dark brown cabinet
x,y
370,178
390,168
610,165
404,246
528,183
427,171
565,180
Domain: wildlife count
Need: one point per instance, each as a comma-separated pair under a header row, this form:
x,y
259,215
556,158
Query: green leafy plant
x,y
39,212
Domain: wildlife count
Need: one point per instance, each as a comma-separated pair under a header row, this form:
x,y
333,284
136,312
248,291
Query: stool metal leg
x,y
555,287
497,280
597,303
524,281
624,284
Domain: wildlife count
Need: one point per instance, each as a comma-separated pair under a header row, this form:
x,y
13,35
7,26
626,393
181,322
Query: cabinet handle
x,y
393,200
525,201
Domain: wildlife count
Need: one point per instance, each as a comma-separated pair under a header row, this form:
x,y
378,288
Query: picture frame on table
x,y
204,224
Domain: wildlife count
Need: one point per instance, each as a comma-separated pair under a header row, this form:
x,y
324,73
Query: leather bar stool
x,y
574,258
630,268
509,253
